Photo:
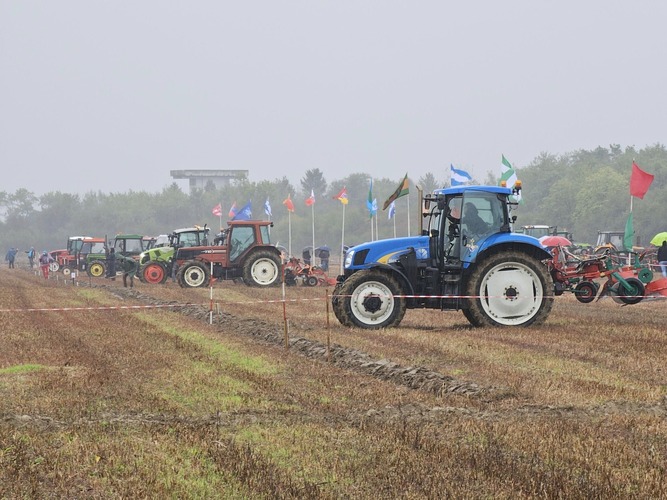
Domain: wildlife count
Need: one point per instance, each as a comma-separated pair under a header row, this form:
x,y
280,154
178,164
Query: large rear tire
x,y
154,273
367,299
509,289
97,269
262,268
193,274
337,303
54,267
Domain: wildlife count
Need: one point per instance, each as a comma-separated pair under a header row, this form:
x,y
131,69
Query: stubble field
x,y
132,393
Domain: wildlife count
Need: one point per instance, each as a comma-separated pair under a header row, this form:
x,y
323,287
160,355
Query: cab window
x,y
241,239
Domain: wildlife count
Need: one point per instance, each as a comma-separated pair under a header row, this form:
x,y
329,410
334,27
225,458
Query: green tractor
x,y
156,264
127,245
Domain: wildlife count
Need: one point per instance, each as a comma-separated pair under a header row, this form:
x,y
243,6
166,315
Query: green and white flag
x,y
508,175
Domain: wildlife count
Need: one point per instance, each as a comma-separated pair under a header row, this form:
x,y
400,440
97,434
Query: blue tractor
x,y
467,259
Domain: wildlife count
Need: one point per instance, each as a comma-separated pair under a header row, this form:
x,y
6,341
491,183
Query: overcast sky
x,y
112,95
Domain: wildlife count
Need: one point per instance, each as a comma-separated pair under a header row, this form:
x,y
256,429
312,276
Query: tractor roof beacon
x,y
496,277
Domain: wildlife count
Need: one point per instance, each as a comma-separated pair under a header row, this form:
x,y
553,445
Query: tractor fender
x,y
505,241
258,248
397,273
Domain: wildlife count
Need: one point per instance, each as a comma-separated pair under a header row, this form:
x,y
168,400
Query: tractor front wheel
x,y
367,299
509,289
193,274
154,273
262,269
96,269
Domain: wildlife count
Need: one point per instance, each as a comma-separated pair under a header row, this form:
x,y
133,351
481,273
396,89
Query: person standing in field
x,y
129,267
662,258
111,264
31,257
11,255
44,260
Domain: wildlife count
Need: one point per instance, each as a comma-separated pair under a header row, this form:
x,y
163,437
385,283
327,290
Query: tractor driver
x,y
473,222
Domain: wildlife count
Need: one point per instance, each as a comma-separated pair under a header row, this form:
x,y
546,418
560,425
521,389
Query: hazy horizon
x,y
111,96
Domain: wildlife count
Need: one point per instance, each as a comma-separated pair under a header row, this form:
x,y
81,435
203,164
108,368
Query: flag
x,y
245,213
342,196
267,208
507,173
401,190
629,233
232,211
288,203
639,181
458,177
217,210
392,209
310,201
508,176
369,200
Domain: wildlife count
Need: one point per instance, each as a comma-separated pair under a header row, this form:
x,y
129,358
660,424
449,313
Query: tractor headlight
x,y
348,258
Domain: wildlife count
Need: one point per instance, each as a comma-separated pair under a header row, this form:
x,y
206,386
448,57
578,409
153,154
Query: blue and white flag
x,y
392,209
245,213
267,208
459,177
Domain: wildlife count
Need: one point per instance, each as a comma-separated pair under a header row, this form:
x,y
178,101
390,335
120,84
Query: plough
x,y
626,284
307,274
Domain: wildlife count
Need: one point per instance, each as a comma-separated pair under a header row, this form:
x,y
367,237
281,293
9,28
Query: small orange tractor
x,y
309,275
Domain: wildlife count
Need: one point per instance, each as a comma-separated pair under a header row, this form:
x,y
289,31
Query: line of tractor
x,y
467,257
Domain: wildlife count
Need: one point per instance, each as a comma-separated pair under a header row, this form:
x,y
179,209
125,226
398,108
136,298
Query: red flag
x,y
342,196
311,199
217,210
639,181
288,203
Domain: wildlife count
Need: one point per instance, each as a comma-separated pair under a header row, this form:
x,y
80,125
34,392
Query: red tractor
x,y
74,258
242,250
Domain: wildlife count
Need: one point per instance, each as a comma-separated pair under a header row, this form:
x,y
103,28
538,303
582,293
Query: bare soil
x,y
110,392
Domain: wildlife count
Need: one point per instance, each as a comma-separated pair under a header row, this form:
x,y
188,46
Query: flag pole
x,y
342,242
312,211
289,234
408,197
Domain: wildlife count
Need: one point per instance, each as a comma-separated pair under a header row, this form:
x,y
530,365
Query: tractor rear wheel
x,y
262,268
193,274
54,267
367,299
96,269
154,273
509,289
586,291
631,294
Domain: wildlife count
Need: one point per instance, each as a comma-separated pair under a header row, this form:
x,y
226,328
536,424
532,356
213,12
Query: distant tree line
x,y
582,191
